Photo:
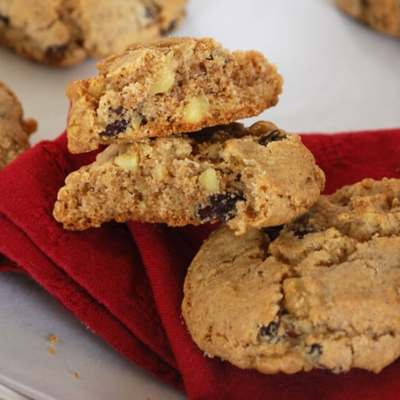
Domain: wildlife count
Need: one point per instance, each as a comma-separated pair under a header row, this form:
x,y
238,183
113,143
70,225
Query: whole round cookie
x,y
382,15
321,292
65,32
251,177
14,130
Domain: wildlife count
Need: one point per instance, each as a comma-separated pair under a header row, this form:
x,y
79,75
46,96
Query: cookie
x,y
382,15
14,130
174,85
322,292
252,177
66,32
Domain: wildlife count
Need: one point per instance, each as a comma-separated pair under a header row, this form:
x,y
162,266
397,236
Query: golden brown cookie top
x,y
321,292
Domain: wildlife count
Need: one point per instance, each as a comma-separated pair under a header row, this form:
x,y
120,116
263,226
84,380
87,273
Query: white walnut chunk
x,y
160,173
128,161
167,78
209,180
96,87
195,108
295,296
371,222
73,130
135,122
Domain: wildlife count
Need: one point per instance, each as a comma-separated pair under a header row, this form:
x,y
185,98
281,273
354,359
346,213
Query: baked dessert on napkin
x,y
253,177
320,292
160,107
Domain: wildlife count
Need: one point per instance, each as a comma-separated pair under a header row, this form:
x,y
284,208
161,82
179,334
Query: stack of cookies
x,y
174,154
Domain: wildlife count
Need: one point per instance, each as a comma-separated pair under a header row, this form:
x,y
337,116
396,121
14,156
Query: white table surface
x,y
339,76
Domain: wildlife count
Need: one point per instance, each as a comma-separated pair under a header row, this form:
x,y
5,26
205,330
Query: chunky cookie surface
x,y
321,292
252,177
174,85
382,15
14,130
65,32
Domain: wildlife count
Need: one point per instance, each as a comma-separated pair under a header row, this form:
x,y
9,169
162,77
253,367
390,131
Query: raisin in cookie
x,y
173,85
252,177
382,15
320,292
65,32
14,130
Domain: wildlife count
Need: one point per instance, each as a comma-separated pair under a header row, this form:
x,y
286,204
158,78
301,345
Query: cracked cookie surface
x,y
254,177
174,85
14,130
382,15
65,32
320,292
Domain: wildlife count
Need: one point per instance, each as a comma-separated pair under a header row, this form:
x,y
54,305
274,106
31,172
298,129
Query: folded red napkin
x,y
125,281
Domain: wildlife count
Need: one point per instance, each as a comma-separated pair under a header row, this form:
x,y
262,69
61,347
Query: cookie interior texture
x,y
173,85
321,292
14,130
252,177
382,15
65,32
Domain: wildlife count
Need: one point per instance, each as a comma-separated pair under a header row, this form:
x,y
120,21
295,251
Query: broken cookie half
x,y
170,86
254,177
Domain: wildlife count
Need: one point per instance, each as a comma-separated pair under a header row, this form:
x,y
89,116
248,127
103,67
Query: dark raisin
x,y
283,311
152,11
314,351
119,111
143,119
268,332
56,53
114,129
169,28
273,232
5,20
302,231
272,136
221,207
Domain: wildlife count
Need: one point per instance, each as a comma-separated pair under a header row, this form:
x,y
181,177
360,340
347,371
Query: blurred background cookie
x,y
66,32
14,130
382,15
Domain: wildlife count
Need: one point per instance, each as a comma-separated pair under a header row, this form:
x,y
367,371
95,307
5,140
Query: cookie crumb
x,y
53,339
75,375
51,350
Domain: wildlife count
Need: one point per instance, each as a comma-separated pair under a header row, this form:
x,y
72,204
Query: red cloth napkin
x,y
125,281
